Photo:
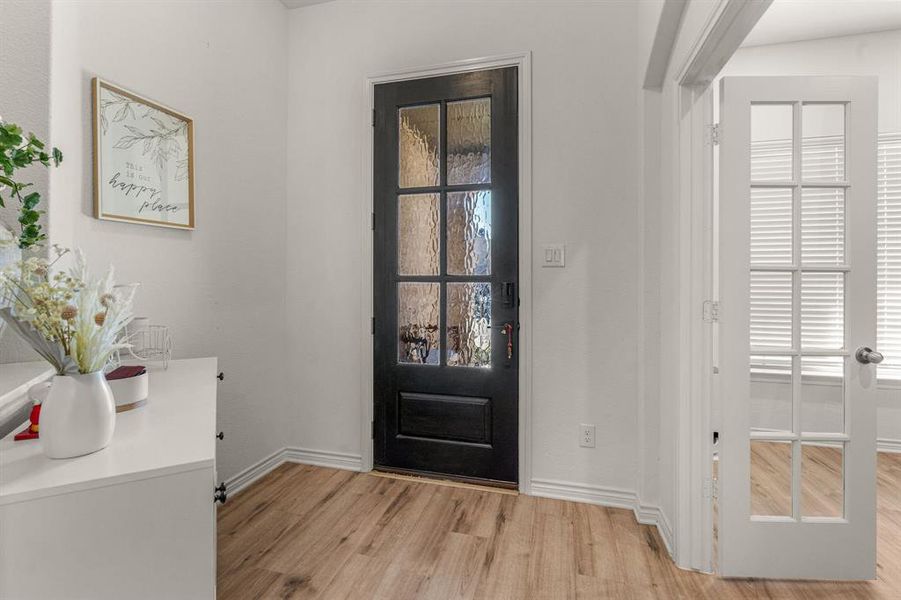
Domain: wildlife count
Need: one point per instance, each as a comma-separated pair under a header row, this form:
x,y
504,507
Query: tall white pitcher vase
x,y
78,417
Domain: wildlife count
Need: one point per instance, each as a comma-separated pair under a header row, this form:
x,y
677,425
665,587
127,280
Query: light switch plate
x,y
554,255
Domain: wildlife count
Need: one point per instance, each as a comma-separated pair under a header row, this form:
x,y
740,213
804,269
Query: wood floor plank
x,y
309,532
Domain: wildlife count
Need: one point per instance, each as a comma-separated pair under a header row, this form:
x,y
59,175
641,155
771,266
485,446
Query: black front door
x,y
446,275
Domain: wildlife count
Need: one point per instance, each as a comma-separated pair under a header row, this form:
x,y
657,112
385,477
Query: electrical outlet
x,y
586,435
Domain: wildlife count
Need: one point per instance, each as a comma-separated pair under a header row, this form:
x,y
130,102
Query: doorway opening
x,y
450,397
802,319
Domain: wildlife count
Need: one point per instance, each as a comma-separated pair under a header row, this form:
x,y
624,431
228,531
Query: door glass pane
x,y
823,226
417,323
771,142
417,234
418,143
822,394
771,478
771,226
469,141
469,233
822,480
771,309
822,311
469,324
771,393
823,142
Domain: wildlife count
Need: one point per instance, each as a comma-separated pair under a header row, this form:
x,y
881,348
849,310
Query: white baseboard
x,y
614,498
888,445
319,458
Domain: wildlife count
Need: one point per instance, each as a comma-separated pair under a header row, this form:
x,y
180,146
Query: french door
x,y
798,316
446,276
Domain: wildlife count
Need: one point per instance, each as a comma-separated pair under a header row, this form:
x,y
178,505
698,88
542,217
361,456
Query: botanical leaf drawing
x,y
161,142
123,106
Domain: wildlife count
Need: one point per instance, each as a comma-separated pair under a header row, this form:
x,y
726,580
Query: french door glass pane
x,y
771,226
822,311
418,143
823,142
771,393
417,234
822,480
469,141
771,478
469,233
771,309
417,323
771,147
823,226
469,324
822,394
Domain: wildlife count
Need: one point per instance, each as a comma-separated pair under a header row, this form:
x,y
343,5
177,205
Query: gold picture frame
x,y
143,159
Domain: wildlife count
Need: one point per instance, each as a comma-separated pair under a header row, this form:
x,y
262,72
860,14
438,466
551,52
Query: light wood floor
x,y
309,532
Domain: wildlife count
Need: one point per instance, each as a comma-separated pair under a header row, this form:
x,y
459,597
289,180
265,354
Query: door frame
x,y
690,181
523,62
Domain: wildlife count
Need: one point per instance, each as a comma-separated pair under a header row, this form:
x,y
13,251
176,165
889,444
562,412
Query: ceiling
x,y
797,20
300,3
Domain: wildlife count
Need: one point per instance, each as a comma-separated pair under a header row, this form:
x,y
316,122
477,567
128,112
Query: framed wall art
x,y
143,160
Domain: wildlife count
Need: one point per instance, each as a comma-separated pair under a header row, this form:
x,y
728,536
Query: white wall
x,y
25,100
867,54
585,149
219,288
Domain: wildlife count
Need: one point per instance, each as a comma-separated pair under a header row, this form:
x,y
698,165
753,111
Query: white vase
x,y
78,417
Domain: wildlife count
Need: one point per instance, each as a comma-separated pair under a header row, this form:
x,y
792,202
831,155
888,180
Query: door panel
x,y
446,260
798,294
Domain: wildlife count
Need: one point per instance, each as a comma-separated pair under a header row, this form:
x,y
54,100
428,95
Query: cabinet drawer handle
x,y
220,435
220,376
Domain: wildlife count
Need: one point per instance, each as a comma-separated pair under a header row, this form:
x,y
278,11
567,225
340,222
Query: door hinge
x,y
372,430
711,488
372,224
711,311
372,326
714,134
373,117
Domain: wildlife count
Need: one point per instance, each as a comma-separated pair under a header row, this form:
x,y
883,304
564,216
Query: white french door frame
x,y
728,25
523,62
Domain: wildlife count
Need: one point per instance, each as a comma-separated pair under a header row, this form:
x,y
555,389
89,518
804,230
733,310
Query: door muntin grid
x,y
463,185
798,330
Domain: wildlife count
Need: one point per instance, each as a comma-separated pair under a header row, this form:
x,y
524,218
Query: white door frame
x,y
523,62
722,34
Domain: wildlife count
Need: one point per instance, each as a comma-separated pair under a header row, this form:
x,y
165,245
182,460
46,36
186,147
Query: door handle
x,y
507,328
867,356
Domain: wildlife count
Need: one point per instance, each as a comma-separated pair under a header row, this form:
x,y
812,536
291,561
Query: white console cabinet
x,y
135,520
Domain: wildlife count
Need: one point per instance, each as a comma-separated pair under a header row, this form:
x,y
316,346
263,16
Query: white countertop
x,y
173,432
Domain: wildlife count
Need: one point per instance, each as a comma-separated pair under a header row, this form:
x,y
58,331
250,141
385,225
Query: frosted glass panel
x,y
822,481
469,233
822,311
771,309
469,324
417,323
417,234
469,141
822,394
823,226
771,479
771,142
771,226
418,143
771,393
823,142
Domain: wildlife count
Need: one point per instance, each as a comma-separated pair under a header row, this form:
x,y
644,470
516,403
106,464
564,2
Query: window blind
x,y
822,243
